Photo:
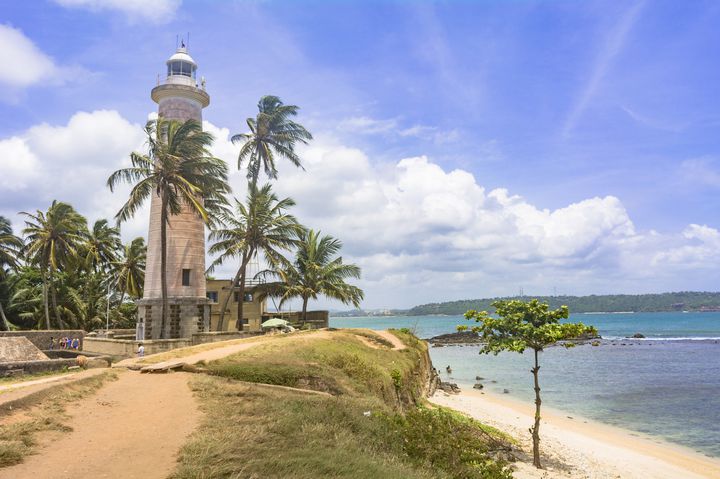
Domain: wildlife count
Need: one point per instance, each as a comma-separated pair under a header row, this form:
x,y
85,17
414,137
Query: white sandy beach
x,y
578,447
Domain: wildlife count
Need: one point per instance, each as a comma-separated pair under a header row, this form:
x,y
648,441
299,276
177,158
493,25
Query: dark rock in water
x,y
637,336
450,388
494,382
506,391
478,386
479,378
461,337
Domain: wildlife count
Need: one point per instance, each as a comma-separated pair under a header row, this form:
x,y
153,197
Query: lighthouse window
x,y
186,277
181,68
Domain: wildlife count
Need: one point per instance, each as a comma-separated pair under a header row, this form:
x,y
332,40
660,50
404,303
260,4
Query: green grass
x,y
375,425
19,437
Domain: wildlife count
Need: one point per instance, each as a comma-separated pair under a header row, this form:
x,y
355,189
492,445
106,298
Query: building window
x,y
246,321
248,297
212,296
186,277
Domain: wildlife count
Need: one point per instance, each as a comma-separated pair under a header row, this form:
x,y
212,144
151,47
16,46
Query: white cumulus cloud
x,y
421,233
24,64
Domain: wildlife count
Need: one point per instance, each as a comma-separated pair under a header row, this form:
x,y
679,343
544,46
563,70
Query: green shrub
x,y
451,442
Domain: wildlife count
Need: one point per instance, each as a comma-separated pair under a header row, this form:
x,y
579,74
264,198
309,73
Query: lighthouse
x,y
180,98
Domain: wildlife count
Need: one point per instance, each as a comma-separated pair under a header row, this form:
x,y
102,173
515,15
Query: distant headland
x,y
696,301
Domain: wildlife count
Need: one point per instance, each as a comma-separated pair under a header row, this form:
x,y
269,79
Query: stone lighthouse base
x,y
186,316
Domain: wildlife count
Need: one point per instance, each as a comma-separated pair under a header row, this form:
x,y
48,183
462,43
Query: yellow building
x,y
217,291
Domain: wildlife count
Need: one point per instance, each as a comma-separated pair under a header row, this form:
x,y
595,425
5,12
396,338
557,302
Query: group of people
x,y
64,343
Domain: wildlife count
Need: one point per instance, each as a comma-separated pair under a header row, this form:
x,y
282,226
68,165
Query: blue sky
x,y
462,148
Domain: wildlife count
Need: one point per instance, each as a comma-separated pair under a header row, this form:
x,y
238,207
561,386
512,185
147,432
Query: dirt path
x,y
132,428
397,344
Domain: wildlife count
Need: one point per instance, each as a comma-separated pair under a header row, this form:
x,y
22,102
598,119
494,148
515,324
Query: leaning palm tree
x,y
52,240
9,259
180,170
129,269
272,134
260,226
317,271
102,245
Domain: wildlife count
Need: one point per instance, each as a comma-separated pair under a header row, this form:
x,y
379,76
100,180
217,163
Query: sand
x,y
578,447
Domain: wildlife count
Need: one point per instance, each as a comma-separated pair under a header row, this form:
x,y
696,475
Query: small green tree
x,y
524,325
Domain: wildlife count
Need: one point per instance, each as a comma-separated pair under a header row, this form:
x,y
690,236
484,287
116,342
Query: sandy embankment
x,y
581,448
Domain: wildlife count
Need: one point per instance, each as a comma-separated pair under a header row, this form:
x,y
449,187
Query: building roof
x,y
182,55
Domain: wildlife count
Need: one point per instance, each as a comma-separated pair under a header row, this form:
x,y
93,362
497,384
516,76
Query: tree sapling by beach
x,y
524,325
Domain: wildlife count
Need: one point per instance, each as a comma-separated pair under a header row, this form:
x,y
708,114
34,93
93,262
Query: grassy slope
x,y
251,431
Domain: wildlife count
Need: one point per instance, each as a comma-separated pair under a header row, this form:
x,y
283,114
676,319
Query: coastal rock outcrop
x,y
459,338
450,388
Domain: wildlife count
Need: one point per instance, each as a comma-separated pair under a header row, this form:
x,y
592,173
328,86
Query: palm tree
x,y
9,254
272,133
260,226
129,269
180,170
51,241
316,271
102,245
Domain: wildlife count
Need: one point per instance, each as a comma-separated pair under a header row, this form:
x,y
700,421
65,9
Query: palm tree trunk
x,y
536,428
304,311
241,297
235,280
163,265
53,293
6,323
45,301
241,285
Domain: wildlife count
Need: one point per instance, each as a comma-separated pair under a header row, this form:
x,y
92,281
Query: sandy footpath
x,y
131,428
581,448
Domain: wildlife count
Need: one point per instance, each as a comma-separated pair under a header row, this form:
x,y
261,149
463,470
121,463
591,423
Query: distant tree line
x,y
610,303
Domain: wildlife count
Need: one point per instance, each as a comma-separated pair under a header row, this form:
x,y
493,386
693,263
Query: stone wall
x,y
216,336
31,367
315,319
187,316
41,338
127,348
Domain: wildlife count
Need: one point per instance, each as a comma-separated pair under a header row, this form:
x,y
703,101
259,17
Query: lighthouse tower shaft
x,y
178,98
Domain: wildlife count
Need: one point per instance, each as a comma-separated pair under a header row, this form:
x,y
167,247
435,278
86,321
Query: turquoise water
x,y
667,385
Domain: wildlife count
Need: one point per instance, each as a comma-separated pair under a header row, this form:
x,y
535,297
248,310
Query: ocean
x,y
666,385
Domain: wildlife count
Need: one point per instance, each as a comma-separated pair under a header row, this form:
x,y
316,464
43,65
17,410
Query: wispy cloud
x,y
365,125
652,122
609,50
155,11
701,171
